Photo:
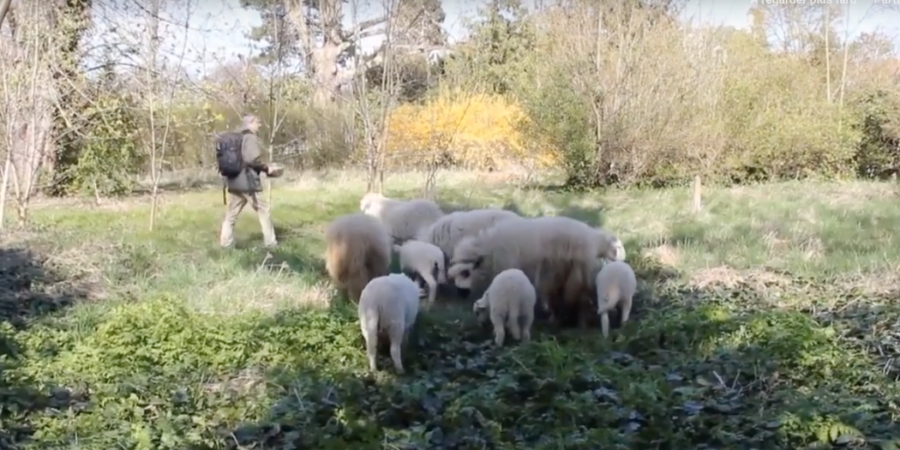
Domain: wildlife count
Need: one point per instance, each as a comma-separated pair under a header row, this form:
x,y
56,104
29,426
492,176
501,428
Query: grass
x,y
766,321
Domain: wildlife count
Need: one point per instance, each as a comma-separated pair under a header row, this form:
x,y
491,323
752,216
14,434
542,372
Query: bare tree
x,y
276,81
28,97
374,117
325,45
155,96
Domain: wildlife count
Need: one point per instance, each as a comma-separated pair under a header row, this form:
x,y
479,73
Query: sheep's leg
x,y
544,299
527,318
512,321
354,291
396,340
371,347
499,331
432,288
603,306
626,310
410,336
604,323
583,312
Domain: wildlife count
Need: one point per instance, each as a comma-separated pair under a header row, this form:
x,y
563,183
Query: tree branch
x,y
294,9
364,29
4,8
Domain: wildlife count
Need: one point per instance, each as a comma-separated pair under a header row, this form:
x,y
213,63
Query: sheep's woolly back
x,y
449,230
511,293
403,219
609,246
389,304
423,258
358,249
376,205
615,282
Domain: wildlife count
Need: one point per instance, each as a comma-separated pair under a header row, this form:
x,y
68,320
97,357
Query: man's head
x,y
250,122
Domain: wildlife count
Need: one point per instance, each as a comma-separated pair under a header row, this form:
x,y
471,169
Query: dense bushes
x,y
656,104
717,104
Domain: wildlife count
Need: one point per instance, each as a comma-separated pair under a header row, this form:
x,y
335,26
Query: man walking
x,y
246,187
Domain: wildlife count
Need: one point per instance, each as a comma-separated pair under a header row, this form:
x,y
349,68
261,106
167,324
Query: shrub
x,y
476,131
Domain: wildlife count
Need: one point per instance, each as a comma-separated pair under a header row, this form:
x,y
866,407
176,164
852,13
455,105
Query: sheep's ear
x,y
478,262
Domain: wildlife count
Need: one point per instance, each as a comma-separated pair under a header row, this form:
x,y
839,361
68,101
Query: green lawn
x,y
769,320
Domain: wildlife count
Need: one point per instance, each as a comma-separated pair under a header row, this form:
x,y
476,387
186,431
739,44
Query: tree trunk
x,y
325,69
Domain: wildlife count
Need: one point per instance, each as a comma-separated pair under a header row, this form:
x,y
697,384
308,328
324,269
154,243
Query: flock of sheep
x,y
518,263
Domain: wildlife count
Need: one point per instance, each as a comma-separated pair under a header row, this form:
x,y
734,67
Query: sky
x,y
217,29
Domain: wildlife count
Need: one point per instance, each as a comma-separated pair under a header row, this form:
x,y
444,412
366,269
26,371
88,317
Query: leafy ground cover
x,y
769,320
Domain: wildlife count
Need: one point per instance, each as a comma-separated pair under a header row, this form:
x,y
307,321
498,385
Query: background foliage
x,y
636,98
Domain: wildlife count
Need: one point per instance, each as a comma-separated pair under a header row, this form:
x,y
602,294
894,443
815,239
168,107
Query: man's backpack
x,y
228,154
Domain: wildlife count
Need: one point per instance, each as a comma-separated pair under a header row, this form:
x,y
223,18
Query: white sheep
x,y
388,307
358,249
557,254
450,229
404,219
509,302
609,246
424,261
616,285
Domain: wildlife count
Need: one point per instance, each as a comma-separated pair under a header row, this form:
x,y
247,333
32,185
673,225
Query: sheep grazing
x,y
609,246
423,261
616,285
509,302
557,254
450,229
403,219
388,307
358,249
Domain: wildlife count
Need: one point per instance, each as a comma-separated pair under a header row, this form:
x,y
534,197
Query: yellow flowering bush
x,y
475,131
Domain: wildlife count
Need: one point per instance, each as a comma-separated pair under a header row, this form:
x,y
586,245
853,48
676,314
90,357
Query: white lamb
x,y
388,307
421,260
616,285
509,301
450,229
403,219
557,254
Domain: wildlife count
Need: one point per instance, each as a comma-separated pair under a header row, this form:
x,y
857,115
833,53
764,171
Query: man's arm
x,y
250,153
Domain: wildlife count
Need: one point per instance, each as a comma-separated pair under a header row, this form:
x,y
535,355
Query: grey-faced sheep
x,y
358,249
452,228
558,254
423,261
404,219
509,302
388,307
616,285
